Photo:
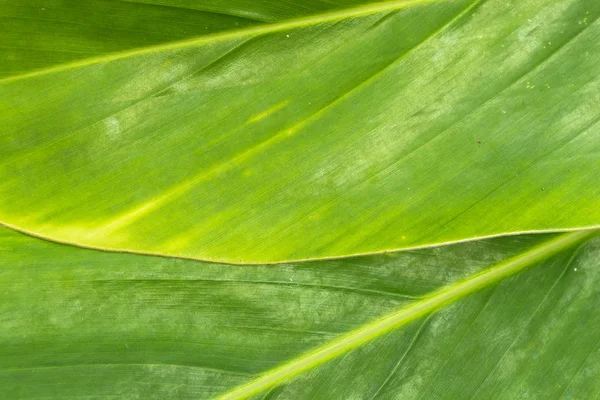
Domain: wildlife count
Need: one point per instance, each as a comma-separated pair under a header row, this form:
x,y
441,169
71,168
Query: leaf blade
x,y
127,318
231,194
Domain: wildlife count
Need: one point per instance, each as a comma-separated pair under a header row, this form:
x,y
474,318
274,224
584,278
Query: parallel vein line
x,y
198,10
531,318
581,367
459,342
107,365
401,360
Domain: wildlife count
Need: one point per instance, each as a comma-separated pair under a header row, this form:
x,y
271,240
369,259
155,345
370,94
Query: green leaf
x,y
361,129
393,159
91,324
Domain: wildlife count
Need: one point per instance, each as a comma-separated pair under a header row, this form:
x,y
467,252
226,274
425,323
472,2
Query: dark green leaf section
x,y
40,33
84,323
535,335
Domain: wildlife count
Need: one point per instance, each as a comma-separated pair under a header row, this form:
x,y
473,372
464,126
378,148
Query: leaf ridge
x,y
303,260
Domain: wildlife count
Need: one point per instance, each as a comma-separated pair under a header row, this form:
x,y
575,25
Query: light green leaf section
x,y
319,131
514,316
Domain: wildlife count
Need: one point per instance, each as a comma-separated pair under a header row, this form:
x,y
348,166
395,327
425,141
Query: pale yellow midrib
x,y
405,315
332,16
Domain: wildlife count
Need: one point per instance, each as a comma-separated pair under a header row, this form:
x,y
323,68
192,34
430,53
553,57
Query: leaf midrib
x,y
315,19
403,316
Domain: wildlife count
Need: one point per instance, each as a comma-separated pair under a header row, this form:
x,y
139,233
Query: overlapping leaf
x,y
375,129
90,324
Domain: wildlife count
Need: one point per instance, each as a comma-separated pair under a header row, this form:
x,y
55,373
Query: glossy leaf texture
x,y
516,318
307,131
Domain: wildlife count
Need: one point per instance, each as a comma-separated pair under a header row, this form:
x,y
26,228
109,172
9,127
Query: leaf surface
x,y
516,316
325,137
324,132
42,33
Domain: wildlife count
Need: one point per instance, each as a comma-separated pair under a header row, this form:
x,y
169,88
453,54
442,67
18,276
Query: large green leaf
x,y
351,142
80,323
358,130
